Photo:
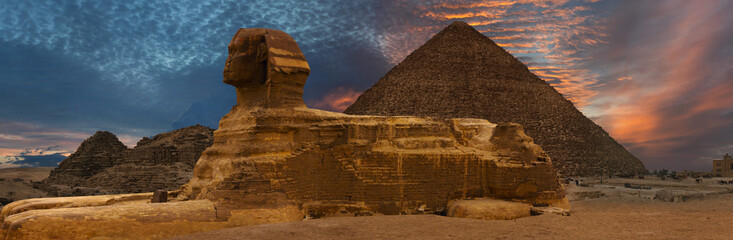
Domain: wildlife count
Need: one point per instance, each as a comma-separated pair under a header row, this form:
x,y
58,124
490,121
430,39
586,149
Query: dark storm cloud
x,y
46,88
139,67
50,160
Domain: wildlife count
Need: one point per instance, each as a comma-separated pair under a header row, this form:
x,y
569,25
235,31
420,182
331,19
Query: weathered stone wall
x,y
378,164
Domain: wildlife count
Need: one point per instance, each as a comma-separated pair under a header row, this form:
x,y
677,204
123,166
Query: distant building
x,y
723,167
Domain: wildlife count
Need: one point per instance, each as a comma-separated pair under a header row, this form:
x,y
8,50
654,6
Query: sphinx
x,y
275,160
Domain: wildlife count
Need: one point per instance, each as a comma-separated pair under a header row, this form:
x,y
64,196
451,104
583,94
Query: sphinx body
x,y
275,160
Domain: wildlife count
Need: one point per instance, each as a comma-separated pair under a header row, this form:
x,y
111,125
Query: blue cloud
x,y
136,67
50,160
39,157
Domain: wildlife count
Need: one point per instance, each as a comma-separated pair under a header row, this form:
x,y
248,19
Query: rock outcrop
x,y
274,160
461,73
103,165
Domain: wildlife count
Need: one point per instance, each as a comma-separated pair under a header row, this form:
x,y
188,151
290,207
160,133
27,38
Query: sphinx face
x,y
246,65
267,69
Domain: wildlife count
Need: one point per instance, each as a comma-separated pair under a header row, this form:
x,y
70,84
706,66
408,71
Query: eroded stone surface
x,y
71,202
387,165
274,160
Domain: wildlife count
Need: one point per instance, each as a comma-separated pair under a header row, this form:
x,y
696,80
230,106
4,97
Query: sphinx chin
x,y
275,160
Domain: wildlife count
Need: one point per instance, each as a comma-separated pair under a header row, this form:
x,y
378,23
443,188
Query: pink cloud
x,y
337,100
34,139
669,101
655,75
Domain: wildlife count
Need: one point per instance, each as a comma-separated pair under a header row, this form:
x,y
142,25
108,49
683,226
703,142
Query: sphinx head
x,y
267,68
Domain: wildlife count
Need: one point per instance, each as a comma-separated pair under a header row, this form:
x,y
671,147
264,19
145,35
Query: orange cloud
x,y
492,4
491,13
660,92
483,22
10,151
680,93
514,45
337,100
547,31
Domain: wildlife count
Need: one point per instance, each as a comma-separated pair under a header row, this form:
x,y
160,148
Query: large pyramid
x,y
462,73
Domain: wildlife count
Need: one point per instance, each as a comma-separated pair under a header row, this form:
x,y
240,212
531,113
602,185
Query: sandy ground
x,y
601,210
15,183
28,174
620,214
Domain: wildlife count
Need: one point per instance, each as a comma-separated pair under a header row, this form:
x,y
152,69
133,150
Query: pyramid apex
x,y
459,26
459,23
103,134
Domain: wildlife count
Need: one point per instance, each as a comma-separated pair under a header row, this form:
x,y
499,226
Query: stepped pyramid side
x,y
462,73
103,165
98,152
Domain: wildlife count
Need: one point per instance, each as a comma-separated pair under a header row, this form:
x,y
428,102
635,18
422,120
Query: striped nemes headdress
x,y
273,50
267,68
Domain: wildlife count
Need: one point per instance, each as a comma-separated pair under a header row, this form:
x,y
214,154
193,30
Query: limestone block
x,y
136,220
72,202
488,209
551,210
159,196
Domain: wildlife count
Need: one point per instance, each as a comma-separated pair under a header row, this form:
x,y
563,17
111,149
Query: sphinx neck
x,y
272,96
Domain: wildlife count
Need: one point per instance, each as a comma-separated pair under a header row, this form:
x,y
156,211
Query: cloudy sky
x,y
655,74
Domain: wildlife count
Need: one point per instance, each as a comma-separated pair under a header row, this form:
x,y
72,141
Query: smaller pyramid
x,y
460,73
103,165
101,150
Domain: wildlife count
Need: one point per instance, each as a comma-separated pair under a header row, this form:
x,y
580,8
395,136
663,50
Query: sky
x,y
657,75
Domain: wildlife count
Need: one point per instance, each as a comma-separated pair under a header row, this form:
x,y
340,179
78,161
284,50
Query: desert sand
x,y
620,214
17,183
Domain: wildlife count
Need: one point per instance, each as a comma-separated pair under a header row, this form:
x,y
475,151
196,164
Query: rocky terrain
x,y
274,160
103,165
462,73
